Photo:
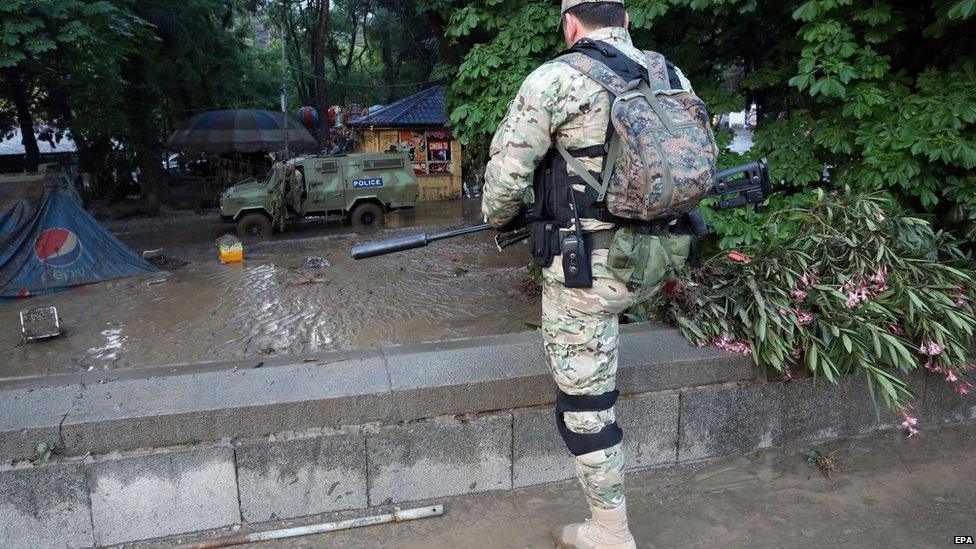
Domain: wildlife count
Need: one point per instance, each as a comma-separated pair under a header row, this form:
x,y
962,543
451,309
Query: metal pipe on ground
x,y
241,539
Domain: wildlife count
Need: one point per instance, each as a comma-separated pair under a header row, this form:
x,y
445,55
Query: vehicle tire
x,y
254,225
367,214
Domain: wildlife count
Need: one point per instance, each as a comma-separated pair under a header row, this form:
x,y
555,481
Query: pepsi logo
x,y
57,247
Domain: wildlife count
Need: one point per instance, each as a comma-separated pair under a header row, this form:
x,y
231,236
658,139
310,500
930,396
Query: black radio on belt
x,y
576,257
576,261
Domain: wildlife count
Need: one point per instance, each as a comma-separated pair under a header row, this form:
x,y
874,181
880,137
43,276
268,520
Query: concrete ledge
x,y
155,495
439,458
400,383
302,438
285,479
119,499
193,408
730,420
45,507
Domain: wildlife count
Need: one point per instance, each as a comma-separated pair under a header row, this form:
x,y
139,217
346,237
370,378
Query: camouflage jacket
x,y
556,102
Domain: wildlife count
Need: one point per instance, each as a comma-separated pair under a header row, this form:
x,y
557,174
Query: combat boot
x,y
606,530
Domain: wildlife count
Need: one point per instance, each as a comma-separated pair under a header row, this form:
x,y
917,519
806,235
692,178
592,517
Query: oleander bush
x,y
850,283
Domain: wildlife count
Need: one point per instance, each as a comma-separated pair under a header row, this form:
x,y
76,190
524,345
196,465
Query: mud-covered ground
x,y
206,311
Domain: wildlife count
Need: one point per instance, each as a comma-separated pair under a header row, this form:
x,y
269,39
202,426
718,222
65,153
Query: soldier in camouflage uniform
x,y
558,104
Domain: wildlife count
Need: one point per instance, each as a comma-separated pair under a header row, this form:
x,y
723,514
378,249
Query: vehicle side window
x,y
383,164
326,167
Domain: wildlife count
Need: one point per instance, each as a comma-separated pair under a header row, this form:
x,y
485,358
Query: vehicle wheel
x,y
254,225
367,215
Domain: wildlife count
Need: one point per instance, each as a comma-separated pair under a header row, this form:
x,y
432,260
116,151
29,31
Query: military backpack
x,y
660,159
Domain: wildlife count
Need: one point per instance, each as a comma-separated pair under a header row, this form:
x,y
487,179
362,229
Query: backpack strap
x,y
597,71
658,77
579,168
606,77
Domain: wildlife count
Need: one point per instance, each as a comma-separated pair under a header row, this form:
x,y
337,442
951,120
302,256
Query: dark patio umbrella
x,y
240,130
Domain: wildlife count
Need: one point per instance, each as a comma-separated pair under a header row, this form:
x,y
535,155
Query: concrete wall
x,y
443,419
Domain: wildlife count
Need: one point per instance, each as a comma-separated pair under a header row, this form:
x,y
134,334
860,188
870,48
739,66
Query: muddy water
x,y
272,305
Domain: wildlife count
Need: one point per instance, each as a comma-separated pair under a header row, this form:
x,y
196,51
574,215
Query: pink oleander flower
x,y
856,294
810,278
733,346
739,257
880,217
963,388
797,352
880,280
909,421
798,294
951,377
896,329
783,312
803,317
960,303
931,348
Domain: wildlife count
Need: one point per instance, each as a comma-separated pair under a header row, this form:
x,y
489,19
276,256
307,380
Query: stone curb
x,y
181,404
102,500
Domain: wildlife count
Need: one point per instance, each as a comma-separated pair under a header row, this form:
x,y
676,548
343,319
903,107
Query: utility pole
x,y
284,78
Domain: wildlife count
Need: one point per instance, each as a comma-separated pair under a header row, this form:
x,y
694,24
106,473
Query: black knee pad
x,y
579,443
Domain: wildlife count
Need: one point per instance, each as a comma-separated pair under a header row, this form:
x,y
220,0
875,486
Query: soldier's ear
x,y
626,20
571,29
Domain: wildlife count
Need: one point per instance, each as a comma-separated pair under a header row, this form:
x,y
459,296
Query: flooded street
x,y
272,304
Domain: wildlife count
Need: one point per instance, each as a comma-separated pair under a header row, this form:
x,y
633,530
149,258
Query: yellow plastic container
x,y
230,249
231,256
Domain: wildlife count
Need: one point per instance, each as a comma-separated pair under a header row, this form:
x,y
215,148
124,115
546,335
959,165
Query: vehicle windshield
x,y
272,174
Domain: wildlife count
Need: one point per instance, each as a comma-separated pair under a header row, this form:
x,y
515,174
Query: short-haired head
x,y
581,17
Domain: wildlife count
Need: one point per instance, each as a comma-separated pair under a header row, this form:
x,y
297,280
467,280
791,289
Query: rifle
x,y
748,182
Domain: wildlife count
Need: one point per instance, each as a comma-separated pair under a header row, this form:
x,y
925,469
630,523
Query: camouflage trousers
x,y
581,334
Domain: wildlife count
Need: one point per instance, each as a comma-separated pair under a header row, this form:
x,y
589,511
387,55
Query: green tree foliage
x,y
871,94
119,75
40,41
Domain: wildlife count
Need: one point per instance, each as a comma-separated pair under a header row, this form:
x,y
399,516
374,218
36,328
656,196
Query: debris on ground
x,y
316,263
827,464
162,261
230,249
156,281
40,323
460,271
310,281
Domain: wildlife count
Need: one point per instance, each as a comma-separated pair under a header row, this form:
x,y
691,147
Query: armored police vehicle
x,y
360,188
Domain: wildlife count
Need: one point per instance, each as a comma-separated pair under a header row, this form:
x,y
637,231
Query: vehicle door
x,y
374,177
326,191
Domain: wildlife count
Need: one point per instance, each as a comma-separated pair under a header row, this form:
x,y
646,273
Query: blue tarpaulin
x,y
48,242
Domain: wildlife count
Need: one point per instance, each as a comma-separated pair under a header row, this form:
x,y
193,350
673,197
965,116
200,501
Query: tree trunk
x,y
144,136
391,70
16,90
320,34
